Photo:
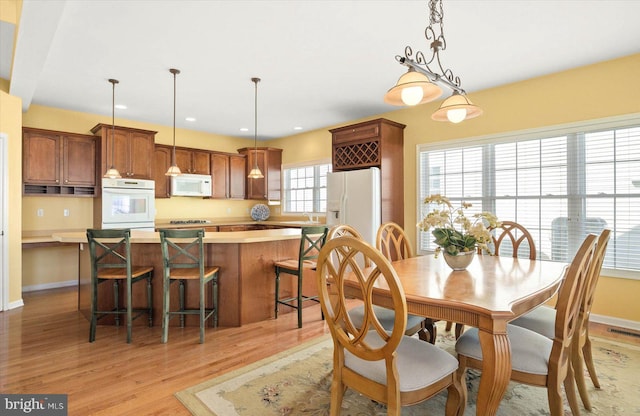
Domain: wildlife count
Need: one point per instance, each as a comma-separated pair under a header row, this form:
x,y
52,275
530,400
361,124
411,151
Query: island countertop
x,y
211,237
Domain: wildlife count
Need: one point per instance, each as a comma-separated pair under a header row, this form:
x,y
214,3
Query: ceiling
x,y
322,63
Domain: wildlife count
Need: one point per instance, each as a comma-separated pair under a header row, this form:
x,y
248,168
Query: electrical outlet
x,y
66,212
40,212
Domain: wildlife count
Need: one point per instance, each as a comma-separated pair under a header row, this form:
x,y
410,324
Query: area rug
x,y
298,382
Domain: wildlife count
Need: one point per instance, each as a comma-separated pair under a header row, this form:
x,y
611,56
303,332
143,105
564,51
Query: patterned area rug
x,y
298,381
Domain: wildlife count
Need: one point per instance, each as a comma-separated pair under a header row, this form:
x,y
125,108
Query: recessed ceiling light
x,y
244,129
297,128
190,118
121,106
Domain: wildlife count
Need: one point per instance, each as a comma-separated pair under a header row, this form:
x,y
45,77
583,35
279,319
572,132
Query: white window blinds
x,y
560,185
305,188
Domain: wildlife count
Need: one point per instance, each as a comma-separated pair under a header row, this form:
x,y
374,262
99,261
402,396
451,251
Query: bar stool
x,y
183,259
110,252
312,240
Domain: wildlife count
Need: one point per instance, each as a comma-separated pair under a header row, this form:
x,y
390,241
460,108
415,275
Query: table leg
x,y
496,371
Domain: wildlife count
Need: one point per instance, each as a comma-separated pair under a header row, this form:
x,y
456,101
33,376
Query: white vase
x,y
459,261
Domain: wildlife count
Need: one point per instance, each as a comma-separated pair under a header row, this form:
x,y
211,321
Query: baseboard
x,y
15,304
46,286
615,322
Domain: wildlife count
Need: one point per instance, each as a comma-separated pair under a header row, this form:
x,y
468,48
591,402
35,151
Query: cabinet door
x,y
79,166
41,155
200,163
183,160
140,151
274,166
220,175
237,169
161,162
257,188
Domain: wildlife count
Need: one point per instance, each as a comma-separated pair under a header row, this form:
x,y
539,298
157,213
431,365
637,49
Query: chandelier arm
x,y
433,76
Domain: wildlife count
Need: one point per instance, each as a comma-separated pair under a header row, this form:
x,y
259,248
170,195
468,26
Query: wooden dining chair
x,y
311,241
110,253
415,323
183,260
509,239
535,359
386,366
542,320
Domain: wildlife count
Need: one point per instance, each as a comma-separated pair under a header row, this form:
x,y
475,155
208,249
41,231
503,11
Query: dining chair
x,y
542,320
535,359
183,259
386,366
415,323
311,241
510,239
110,253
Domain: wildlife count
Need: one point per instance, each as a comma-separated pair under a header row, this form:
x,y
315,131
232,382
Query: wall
x,y
596,91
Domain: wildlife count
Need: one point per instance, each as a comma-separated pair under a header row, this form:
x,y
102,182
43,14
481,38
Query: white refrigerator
x,y
353,198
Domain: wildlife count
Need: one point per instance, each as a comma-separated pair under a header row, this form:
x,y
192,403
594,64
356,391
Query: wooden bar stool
x,y
110,252
183,259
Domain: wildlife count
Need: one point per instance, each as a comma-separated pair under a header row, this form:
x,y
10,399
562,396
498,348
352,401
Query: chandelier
x,y
112,172
174,170
421,84
255,173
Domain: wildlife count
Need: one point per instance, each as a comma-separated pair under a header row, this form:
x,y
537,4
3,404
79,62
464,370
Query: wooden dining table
x,y
487,295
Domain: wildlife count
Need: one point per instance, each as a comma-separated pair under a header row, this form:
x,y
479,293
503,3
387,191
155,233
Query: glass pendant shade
x,y
255,173
112,173
456,109
173,170
412,88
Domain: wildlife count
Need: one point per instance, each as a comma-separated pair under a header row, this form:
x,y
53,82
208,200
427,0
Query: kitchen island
x,y
246,282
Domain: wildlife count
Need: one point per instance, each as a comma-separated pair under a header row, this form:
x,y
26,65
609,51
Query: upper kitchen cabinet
x,y
161,162
375,143
193,161
58,163
227,171
131,151
269,161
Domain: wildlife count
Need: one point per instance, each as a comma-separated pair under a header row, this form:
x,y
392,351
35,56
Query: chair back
x,y
569,300
392,241
110,249
592,278
311,241
513,239
342,230
331,278
182,249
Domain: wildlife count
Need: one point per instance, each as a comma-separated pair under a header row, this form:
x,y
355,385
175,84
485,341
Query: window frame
x,y
610,123
285,190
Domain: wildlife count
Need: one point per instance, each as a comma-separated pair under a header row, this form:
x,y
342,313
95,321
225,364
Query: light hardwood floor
x,y
44,348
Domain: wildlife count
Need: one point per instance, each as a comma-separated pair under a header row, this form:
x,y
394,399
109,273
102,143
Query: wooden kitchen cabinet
x,y
193,161
228,172
131,152
161,162
269,161
58,163
375,143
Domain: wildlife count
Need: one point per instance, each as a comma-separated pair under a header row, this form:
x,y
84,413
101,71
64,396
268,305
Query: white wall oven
x,y
128,203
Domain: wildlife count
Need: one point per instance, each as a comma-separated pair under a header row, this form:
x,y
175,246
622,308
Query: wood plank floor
x,y
44,348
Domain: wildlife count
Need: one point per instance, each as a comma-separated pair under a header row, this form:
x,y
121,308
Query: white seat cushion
x,y
541,320
385,316
529,350
419,363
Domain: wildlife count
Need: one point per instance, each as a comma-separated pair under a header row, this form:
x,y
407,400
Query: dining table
x,y
489,293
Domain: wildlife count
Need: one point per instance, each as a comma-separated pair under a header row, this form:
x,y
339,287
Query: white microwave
x,y
191,185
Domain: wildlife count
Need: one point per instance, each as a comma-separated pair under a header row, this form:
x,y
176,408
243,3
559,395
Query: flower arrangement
x,y
454,232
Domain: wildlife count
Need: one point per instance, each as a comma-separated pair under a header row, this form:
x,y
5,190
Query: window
x,y
559,184
305,188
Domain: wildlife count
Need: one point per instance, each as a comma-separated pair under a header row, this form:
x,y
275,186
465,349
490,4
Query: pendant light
x,y
255,172
174,170
112,172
